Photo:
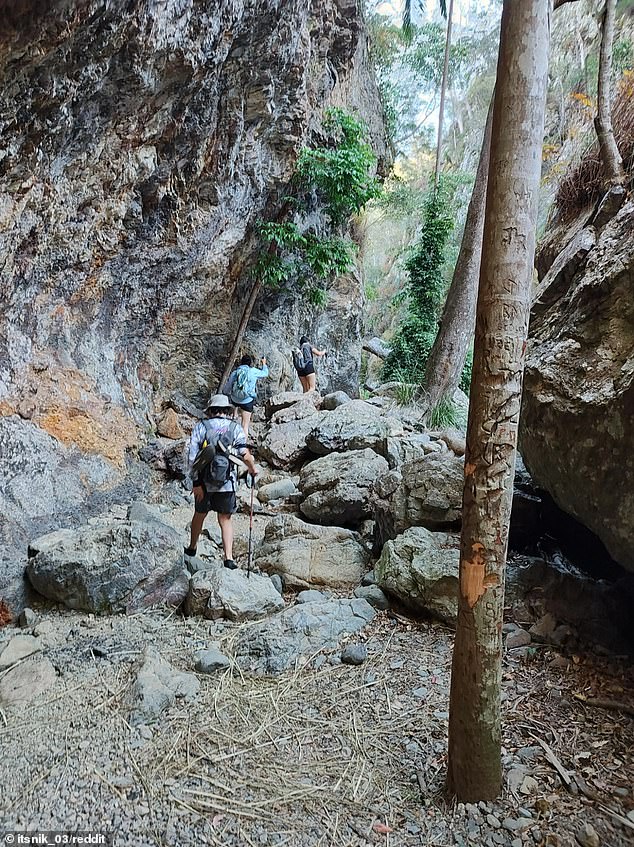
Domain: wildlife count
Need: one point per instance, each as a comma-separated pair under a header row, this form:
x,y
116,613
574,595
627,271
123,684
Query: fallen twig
x,y
613,705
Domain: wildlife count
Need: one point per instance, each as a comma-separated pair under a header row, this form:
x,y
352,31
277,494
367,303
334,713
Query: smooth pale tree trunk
x,y
608,150
443,92
474,769
447,357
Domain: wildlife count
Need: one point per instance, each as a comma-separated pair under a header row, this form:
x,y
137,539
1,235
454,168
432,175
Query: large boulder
x,y
337,488
275,644
420,568
303,408
423,492
353,426
218,592
577,423
284,445
305,554
410,446
110,565
285,399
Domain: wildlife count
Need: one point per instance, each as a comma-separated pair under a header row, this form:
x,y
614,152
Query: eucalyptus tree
x,y
611,160
474,766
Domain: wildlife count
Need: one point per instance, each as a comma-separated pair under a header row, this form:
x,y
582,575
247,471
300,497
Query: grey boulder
x,y
306,555
353,426
420,568
110,566
26,681
218,592
337,488
274,645
157,686
211,660
424,492
284,445
333,400
374,595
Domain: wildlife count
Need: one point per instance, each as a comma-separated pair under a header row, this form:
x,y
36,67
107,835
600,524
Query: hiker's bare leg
x,y
245,418
311,381
226,530
304,382
197,524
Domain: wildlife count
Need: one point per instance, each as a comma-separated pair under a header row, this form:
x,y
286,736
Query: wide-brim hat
x,y
218,401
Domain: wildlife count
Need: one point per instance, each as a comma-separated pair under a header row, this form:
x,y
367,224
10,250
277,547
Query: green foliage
x,y
445,414
342,172
342,176
320,257
467,372
413,340
622,57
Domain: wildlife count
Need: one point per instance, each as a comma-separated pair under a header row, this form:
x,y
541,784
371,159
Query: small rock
x,y
513,824
517,638
145,731
18,648
311,596
27,618
374,595
493,821
354,654
587,836
515,778
169,426
278,584
277,490
211,660
420,693
630,816
368,578
516,842
24,682
544,628
528,786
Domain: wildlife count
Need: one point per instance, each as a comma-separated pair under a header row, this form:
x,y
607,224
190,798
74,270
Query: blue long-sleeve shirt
x,y
253,374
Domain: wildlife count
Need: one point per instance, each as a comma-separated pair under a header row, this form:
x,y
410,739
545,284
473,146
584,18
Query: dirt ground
x,y
329,754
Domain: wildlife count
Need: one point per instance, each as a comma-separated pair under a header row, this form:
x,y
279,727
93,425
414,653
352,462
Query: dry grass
x,y
582,185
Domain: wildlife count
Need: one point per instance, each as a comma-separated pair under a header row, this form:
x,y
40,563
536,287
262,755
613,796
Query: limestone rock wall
x,y
140,141
577,425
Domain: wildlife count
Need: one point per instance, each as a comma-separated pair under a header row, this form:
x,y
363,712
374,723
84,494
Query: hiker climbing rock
x,y
217,448
241,388
303,360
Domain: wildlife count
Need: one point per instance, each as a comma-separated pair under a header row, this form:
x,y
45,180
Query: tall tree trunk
x,y
474,771
610,156
248,309
443,91
449,351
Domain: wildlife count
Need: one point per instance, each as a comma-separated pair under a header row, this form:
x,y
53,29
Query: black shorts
x,y
307,371
246,407
223,502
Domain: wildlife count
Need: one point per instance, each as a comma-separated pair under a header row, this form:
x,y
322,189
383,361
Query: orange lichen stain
x,y
109,438
6,409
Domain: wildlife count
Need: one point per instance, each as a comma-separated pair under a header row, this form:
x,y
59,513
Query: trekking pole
x,y
250,553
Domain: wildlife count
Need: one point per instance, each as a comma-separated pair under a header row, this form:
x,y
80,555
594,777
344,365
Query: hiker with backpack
x,y
217,448
303,359
241,388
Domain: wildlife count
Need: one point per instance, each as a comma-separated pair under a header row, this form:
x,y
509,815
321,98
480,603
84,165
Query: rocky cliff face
x,y
141,141
577,428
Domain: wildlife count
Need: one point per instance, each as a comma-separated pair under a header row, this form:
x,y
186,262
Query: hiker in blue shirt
x,y
241,388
